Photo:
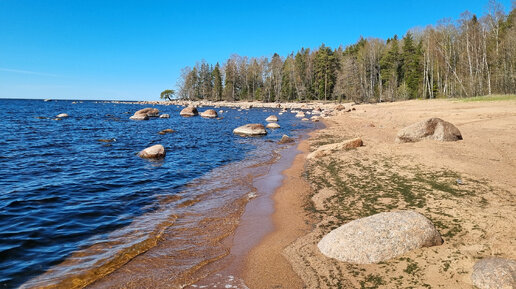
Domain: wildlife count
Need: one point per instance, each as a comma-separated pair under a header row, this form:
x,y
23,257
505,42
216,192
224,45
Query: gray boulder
x,y
252,129
433,128
379,237
492,272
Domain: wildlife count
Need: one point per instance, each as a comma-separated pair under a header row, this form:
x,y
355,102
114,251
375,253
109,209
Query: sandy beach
x,y
466,188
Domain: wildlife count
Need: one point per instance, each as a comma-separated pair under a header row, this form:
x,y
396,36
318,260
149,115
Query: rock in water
x,y
189,111
252,129
165,131
490,273
62,115
153,152
149,111
300,114
433,128
145,113
209,113
273,125
272,118
165,115
286,139
380,237
139,117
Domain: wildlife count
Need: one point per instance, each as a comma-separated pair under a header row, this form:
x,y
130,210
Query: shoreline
x,y
474,217
265,264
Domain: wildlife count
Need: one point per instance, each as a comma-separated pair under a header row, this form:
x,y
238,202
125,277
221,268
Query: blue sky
x,y
133,50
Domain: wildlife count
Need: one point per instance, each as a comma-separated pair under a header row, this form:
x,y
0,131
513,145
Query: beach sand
x,y
475,218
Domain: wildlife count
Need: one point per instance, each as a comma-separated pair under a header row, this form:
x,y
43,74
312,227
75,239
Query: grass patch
x,y
492,97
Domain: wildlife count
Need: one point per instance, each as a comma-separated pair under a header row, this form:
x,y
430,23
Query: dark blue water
x,y
62,189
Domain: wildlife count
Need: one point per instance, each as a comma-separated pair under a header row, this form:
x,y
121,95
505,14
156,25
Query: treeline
x,y
468,57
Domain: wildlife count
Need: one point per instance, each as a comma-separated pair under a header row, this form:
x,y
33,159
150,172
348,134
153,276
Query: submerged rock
x,y
272,118
252,129
153,152
209,113
165,131
273,125
493,272
189,111
379,237
433,128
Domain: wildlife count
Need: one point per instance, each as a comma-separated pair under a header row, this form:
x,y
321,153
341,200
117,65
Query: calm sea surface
x,y
63,191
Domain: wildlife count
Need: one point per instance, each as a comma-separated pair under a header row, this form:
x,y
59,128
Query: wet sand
x,y
265,266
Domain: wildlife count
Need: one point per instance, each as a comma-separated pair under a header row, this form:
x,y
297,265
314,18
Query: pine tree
x,y
325,72
411,67
390,67
217,83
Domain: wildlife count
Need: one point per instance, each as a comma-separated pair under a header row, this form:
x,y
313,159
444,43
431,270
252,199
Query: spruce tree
x,y
217,83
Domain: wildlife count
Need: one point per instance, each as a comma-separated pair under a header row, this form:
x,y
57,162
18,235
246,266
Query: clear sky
x,y
88,49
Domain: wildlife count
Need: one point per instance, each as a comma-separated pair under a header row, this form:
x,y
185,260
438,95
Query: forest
x,y
466,57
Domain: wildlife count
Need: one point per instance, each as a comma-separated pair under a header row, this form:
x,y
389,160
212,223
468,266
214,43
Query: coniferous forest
x,y
466,57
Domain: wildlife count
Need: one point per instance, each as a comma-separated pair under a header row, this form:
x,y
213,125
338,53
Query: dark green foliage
x,y
470,57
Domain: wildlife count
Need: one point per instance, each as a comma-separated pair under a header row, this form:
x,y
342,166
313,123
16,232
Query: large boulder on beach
x,y
273,125
493,272
153,152
433,128
272,118
189,111
209,113
252,129
380,237
328,149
